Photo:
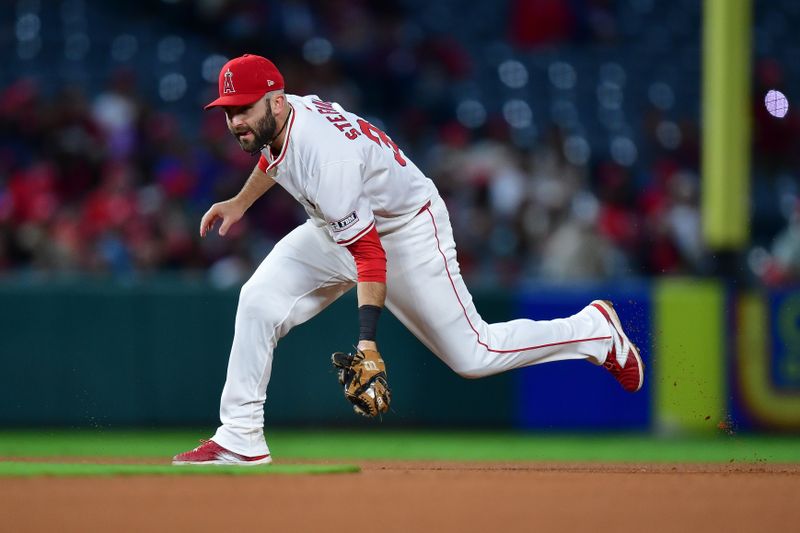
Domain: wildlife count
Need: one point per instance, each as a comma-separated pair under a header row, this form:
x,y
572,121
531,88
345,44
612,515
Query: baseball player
x,y
375,222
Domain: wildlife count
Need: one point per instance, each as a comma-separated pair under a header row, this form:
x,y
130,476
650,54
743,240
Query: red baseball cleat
x,y
211,453
623,359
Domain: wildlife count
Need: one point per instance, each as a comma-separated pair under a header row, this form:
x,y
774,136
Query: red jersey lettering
x,y
378,137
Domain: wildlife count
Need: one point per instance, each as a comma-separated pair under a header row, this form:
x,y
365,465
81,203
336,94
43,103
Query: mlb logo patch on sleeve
x,y
344,223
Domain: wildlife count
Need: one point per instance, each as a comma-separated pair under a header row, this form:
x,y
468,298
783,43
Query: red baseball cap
x,y
245,79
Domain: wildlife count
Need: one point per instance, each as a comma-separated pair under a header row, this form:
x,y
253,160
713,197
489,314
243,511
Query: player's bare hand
x,y
229,212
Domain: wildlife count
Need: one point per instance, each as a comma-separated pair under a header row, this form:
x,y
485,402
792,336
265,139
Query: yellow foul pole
x,y
726,123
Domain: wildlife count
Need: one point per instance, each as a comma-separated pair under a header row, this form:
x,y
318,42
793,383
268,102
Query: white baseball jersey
x,y
347,174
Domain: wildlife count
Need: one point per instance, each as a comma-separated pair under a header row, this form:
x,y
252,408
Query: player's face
x,y
253,125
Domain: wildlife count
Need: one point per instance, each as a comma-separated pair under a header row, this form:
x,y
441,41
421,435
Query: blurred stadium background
x,y
565,136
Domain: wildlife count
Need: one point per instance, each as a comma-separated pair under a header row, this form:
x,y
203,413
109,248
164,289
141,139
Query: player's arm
x,y
351,223
230,211
363,374
370,261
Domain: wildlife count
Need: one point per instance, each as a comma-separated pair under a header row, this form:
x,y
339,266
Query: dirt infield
x,y
419,496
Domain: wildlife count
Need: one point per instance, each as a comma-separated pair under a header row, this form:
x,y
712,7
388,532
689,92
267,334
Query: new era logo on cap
x,y
253,75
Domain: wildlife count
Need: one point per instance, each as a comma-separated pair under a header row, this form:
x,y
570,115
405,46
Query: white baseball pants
x,y
307,271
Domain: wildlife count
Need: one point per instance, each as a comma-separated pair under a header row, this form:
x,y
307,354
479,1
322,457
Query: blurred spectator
x,y
117,111
575,251
541,22
781,265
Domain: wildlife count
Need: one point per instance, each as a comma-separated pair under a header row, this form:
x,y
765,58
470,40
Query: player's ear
x,y
277,103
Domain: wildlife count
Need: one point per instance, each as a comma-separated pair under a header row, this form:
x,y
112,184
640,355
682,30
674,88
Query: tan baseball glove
x,y
363,376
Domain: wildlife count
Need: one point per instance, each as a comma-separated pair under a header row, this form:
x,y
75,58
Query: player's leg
x,y
426,292
302,275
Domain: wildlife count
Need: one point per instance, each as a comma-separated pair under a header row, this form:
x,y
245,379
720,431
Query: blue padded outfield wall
x,y
154,354
575,394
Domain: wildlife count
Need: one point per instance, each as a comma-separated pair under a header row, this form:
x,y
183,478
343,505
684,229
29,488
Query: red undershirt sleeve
x,y
263,163
370,257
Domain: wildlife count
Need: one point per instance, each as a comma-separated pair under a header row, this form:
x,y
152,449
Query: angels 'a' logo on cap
x,y
228,83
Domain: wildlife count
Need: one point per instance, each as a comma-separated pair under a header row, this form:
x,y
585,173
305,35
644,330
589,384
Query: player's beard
x,y
263,132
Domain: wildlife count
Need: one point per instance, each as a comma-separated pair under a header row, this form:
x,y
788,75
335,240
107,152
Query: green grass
x,y
380,444
25,469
